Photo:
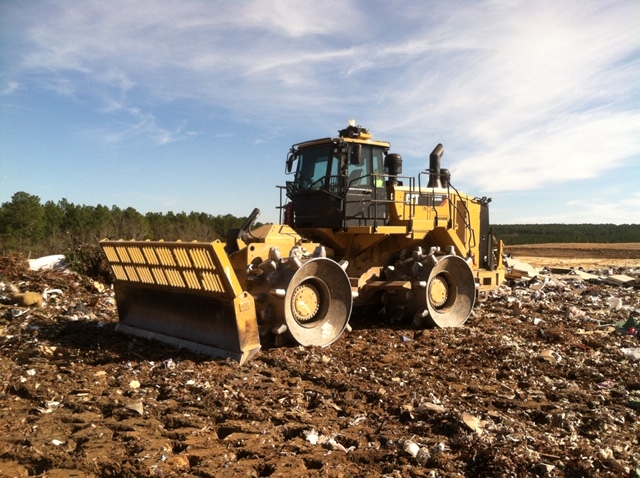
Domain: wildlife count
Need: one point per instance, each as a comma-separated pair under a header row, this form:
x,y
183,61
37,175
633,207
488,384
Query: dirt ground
x,y
579,255
541,381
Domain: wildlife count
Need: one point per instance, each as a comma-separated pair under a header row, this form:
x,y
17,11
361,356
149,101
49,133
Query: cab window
x,y
359,174
378,166
312,168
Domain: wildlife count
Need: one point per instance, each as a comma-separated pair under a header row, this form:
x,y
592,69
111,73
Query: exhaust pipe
x,y
434,167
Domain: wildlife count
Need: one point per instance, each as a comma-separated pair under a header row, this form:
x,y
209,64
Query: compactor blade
x,y
185,294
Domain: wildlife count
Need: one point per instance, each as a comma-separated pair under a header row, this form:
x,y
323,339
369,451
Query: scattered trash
x,y
543,469
334,445
420,453
439,448
550,356
311,436
56,261
630,327
430,407
28,299
98,286
136,407
49,407
620,279
169,364
632,352
614,302
520,270
357,421
473,423
540,375
328,442
575,313
47,294
537,283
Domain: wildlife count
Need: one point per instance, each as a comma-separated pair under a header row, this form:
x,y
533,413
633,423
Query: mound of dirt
x,y
541,381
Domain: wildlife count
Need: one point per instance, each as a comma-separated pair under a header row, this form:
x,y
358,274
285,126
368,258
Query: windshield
x,y
313,167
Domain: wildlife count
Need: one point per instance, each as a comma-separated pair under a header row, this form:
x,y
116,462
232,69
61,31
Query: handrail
x,y
339,188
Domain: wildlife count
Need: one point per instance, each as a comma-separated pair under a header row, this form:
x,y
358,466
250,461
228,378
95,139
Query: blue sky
x,y
192,105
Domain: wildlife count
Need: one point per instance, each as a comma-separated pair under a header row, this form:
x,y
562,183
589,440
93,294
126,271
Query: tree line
x,y
27,226
514,234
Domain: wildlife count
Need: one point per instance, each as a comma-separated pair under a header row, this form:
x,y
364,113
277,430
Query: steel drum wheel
x,y
450,293
318,302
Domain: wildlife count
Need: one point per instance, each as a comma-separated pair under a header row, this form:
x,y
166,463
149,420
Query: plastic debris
x,y
614,302
632,352
336,446
56,261
311,436
630,327
420,453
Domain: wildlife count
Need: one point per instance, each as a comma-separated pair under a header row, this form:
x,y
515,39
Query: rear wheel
x,y
449,295
441,294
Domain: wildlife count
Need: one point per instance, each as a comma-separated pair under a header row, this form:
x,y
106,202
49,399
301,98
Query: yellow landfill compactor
x,y
354,233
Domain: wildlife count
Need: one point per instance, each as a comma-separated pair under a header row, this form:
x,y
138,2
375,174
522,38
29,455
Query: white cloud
x,y
9,88
624,209
566,149
598,208
135,125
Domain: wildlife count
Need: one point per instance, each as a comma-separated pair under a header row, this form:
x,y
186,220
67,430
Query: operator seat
x,y
353,176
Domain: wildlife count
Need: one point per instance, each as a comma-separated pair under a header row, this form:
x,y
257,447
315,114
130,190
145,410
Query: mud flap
x,y
183,294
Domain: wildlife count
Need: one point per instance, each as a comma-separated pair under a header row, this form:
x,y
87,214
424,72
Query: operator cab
x,y
338,182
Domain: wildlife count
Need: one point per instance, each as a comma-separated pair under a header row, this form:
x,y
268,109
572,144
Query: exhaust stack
x,y
434,167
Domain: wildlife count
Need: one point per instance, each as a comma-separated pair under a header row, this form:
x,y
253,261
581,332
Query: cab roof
x,y
351,134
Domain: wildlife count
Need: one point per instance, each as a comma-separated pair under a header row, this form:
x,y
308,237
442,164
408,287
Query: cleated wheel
x,y
318,302
450,293
442,293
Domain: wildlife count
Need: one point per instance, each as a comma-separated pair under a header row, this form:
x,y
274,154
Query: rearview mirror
x,y
290,159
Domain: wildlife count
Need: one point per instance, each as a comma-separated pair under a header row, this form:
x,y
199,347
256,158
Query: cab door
x,y
365,195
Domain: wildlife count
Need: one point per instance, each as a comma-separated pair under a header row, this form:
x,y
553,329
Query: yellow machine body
x,y
355,232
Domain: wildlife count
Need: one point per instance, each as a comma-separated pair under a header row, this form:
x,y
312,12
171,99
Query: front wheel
x,y
318,302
